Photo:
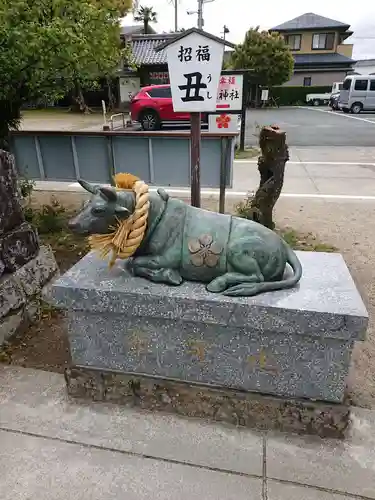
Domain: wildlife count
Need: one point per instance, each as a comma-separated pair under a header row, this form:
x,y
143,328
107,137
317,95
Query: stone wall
x,y
25,267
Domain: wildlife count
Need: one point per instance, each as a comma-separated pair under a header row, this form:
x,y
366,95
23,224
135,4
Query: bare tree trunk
x,y
10,119
271,166
111,96
79,99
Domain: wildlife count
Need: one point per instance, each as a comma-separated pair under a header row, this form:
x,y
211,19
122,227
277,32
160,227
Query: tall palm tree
x,y
146,15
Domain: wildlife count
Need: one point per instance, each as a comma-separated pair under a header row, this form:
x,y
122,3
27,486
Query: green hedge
x,y
286,96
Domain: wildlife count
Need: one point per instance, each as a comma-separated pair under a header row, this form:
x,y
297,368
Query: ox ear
x,y
89,187
121,211
108,194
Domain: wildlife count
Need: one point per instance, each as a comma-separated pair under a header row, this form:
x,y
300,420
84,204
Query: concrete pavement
x,y
318,171
60,120
319,177
55,448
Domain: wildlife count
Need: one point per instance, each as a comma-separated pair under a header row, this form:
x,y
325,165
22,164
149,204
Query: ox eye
x,y
98,210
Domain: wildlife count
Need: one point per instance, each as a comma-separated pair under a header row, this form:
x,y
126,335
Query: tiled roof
x,y
183,34
312,59
365,62
309,21
136,29
143,47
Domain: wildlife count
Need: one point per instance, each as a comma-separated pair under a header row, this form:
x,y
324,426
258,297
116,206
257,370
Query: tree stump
x,y
271,166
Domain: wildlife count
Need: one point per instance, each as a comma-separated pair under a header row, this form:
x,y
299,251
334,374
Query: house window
x,y
293,41
307,81
323,41
360,85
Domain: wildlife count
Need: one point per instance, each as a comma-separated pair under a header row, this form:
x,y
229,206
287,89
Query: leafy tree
x,y
49,47
121,6
267,55
146,15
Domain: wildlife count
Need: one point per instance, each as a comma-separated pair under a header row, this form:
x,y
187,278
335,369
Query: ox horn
x,y
89,187
109,194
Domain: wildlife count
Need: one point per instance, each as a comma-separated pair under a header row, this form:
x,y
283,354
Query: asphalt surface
x,y
314,126
311,127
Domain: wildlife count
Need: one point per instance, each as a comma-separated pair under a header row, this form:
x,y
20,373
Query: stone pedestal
x,y
294,344
240,408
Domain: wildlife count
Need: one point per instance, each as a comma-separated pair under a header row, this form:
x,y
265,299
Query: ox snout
x,y
75,226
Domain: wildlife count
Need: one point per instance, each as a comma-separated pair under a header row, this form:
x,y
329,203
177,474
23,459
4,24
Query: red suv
x,y
152,107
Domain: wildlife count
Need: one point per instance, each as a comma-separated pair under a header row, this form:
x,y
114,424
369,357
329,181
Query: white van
x,y
358,94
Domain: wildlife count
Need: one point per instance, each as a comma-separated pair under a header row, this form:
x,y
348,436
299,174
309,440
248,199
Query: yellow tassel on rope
x,y
126,237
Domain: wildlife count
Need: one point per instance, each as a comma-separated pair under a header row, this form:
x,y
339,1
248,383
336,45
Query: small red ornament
x,y
223,121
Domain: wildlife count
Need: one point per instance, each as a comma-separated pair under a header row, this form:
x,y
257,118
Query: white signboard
x,y
194,64
225,122
229,95
264,96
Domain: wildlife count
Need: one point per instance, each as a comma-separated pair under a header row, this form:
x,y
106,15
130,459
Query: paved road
x,y
314,126
343,172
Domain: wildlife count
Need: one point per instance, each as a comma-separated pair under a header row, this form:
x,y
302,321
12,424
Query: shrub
x,y
50,218
292,95
26,187
245,208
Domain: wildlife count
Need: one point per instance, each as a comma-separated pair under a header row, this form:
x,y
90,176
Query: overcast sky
x,y
240,15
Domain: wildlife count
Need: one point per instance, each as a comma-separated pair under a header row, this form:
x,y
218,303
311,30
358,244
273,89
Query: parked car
x,y
152,107
318,99
358,94
334,101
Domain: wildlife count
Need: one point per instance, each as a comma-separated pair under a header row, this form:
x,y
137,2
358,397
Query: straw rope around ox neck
x,y
127,236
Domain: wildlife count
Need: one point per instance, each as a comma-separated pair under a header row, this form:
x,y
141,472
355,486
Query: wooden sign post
x,y
195,159
194,60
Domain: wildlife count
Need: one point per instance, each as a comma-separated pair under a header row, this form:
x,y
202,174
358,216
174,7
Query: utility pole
x,y
225,31
135,6
199,12
175,5
200,15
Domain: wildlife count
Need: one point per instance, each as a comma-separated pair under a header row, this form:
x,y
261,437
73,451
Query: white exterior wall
x,y
128,85
365,69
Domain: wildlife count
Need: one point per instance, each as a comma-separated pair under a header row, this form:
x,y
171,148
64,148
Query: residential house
x,y
364,67
317,43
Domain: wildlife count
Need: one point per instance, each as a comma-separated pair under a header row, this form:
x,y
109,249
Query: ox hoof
x,y
173,277
216,286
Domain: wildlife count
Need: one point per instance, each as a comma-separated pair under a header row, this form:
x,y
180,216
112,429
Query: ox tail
x,y
250,289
